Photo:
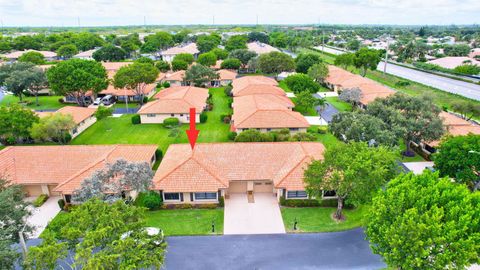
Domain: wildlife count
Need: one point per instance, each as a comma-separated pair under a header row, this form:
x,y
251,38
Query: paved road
x,y
465,89
342,250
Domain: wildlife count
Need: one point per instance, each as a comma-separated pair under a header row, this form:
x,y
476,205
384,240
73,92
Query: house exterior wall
x,y
189,197
159,118
176,83
83,126
272,129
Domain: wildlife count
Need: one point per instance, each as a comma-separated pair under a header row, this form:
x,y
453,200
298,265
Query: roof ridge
x,y
294,167
206,169
175,168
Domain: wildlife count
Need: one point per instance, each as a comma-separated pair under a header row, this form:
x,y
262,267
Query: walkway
x,y
339,250
42,215
462,88
261,217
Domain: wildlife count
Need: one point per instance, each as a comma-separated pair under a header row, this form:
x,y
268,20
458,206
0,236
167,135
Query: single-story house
x,y
175,102
169,54
13,56
132,95
452,62
474,53
60,169
266,113
113,67
244,81
83,117
249,85
225,77
86,55
213,170
176,78
261,48
456,126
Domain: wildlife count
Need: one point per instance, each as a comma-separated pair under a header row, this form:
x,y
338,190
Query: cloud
x,y
128,12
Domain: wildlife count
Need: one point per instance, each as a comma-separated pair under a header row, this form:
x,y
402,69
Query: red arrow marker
x,y
192,133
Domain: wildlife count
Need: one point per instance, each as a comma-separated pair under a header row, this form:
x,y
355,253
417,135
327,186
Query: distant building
x,y
86,55
83,117
452,62
13,56
169,54
261,48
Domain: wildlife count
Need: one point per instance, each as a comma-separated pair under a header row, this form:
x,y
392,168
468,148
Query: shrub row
x,y
299,203
40,200
253,135
191,206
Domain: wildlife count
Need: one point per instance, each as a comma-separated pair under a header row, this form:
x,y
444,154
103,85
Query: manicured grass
x,y
284,86
187,221
45,102
339,104
2,146
319,219
121,131
328,140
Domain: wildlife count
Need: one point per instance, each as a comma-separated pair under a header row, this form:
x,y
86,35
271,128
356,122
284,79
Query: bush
x,y
301,82
61,100
203,117
328,203
61,204
228,90
136,119
40,200
166,84
323,130
221,201
232,135
145,99
67,138
207,206
299,203
231,63
158,154
183,206
303,137
151,200
171,122
179,65
402,83
312,129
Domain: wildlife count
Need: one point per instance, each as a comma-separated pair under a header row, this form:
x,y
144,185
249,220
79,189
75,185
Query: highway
x,y
462,88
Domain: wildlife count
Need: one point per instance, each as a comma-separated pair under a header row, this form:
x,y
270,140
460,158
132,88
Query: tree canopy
x,y
275,62
236,42
156,42
231,63
305,60
67,51
135,77
179,65
459,157
32,57
258,36
163,66
206,43
425,222
186,57
207,59
366,59
243,55
318,72
15,124
354,171
76,77
55,127
301,83
345,60
200,75
109,53
220,53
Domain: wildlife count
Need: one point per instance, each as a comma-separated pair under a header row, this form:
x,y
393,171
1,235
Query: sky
x,y
180,12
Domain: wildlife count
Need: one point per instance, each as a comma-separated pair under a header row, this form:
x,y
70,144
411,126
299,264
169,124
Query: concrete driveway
x,y
42,215
339,250
261,217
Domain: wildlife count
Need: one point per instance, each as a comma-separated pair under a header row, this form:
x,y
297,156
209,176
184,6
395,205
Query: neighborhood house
x,y
13,56
169,54
60,170
261,48
213,170
175,102
83,117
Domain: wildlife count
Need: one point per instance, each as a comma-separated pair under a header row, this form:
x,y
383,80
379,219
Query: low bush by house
x,y
191,206
136,119
151,200
61,204
203,117
171,122
299,203
40,200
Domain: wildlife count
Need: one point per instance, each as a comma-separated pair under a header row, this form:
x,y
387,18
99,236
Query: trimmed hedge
x,y
299,203
151,200
191,206
232,135
171,122
158,154
61,204
40,200
203,117
136,119
221,201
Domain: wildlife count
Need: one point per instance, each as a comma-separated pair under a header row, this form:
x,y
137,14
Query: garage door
x,y
237,187
33,190
53,193
262,187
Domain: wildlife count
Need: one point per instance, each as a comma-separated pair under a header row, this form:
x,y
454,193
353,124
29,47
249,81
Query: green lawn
x,y
121,131
45,102
284,86
339,104
187,221
319,219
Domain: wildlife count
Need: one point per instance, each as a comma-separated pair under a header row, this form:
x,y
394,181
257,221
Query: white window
x,y
151,115
296,194
198,196
171,196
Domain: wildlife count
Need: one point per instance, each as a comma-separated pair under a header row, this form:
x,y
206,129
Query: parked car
x,y
97,101
108,100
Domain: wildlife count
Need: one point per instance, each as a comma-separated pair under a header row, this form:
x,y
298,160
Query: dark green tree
x,y
200,75
305,60
366,59
207,59
136,77
301,83
109,53
32,57
236,42
276,62
67,51
243,55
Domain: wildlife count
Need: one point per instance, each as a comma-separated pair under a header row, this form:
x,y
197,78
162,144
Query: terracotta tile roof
x,y
79,114
255,89
67,164
453,61
456,126
264,111
242,82
114,66
111,90
83,54
177,99
261,48
212,166
175,76
226,74
190,48
17,54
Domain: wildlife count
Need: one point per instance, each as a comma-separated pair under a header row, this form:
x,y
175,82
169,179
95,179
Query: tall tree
x,y
414,119
236,42
354,171
305,60
318,72
136,77
361,127
186,57
425,222
305,100
55,127
467,110
207,43
67,51
299,83
77,78
109,53
258,36
116,232
459,158
351,95
207,59
345,60
276,62
243,55
116,178
156,42
366,59
13,212
220,53
200,75
16,77
15,124
32,57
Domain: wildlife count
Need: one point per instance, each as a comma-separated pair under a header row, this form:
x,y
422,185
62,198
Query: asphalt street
x,y
339,250
462,88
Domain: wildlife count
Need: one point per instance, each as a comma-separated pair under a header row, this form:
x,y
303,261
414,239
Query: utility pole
x,y
257,19
386,57
213,20
78,21
144,22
